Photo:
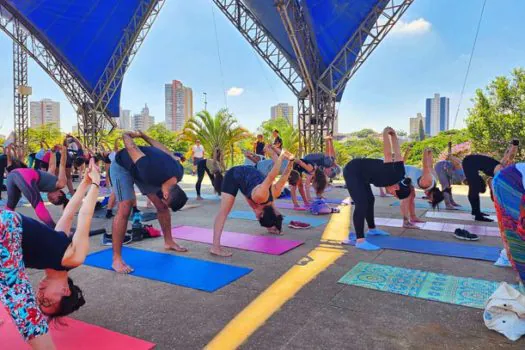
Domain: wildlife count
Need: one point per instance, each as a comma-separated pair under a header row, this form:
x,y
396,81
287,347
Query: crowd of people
x,y
158,171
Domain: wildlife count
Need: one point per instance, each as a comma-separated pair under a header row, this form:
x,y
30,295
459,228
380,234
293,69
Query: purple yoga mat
x,y
259,244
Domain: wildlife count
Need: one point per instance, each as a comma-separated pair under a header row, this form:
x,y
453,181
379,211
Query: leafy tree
x,y
364,133
49,133
370,147
342,154
220,131
498,114
401,133
288,134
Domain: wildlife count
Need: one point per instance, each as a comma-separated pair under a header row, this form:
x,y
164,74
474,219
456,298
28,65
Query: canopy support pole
x,y
21,90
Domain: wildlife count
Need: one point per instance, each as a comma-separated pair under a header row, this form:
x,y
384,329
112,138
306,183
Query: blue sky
x,y
427,52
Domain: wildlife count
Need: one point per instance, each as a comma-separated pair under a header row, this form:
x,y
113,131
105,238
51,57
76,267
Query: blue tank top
x,y
247,178
43,247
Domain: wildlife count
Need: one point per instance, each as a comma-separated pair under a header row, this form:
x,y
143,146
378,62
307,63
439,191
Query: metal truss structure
x,y
317,111
20,90
90,107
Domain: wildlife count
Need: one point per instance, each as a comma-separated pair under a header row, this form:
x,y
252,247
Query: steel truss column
x,y
21,90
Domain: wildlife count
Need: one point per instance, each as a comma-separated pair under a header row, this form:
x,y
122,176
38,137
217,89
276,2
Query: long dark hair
x,y
217,182
436,195
69,303
319,181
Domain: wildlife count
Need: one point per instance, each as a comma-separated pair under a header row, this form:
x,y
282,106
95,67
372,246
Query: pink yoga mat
x,y
74,335
260,244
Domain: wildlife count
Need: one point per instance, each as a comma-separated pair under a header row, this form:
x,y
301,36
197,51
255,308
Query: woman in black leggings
x,y
359,174
474,164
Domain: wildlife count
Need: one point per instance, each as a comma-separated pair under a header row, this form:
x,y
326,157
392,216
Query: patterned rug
x,y
463,291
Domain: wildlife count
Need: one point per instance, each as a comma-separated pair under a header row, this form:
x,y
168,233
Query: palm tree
x,y
221,132
287,132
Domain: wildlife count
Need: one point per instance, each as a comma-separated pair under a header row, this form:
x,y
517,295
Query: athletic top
x,y
319,159
374,171
474,163
299,168
265,166
243,178
155,168
445,168
414,173
40,154
278,141
43,247
259,148
248,162
213,165
198,151
30,183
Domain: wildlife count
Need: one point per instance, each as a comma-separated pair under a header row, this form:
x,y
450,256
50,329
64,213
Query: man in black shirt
x,y
359,174
259,146
277,141
156,172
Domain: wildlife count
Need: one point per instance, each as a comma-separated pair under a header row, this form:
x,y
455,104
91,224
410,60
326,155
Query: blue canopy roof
x,y
82,34
332,23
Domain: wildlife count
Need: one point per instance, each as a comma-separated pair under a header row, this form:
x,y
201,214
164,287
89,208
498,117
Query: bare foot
x,y
410,225
121,267
199,198
220,252
415,220
175,247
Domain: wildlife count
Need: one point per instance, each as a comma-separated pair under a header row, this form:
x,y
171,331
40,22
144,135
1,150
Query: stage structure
x,y
84,46
315,47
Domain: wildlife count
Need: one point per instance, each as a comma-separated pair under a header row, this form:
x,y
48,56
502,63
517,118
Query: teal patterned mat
x,y
421,284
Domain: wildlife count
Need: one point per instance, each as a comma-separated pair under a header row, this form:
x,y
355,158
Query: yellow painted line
x,y
274,297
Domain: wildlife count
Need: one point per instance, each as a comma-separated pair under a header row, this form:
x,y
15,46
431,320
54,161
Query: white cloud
x,y
235,91
416,27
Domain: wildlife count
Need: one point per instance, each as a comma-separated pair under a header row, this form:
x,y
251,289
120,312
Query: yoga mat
x,y
253,243
327,200
210,197
426,205
288,205
74,334
449,289
193,273
249,215
454,216
480,230
424,246
146,216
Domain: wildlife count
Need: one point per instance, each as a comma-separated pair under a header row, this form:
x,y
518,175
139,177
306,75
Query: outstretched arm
x,y
261,193
134,152
62,178
510,153
308,167
407,153
77,251
155,143
387,146
279,185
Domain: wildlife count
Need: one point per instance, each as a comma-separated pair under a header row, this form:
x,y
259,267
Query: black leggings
x,y
472,166
201,168
363,199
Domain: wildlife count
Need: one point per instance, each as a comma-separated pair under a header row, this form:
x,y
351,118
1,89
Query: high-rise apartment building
x,y
283,110
44,112
178,105
414,124
437,115
124,120
144,120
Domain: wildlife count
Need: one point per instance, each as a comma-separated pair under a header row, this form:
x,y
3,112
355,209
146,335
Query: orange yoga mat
x,y
75,334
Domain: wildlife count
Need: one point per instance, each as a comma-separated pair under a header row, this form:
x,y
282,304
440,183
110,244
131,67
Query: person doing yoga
x,y
212,167
258,190
27,243
360,173
30,182
325,168
474,164
449,172
157,173
421,179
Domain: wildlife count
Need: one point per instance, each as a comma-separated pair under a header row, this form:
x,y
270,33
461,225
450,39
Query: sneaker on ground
x,y
107,239
465,235
298,225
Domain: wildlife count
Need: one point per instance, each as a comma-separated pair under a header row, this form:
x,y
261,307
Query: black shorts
x,y
229,183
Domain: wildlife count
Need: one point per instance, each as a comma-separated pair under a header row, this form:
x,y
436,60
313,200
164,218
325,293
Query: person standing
x,y
197,154
277,141
258,147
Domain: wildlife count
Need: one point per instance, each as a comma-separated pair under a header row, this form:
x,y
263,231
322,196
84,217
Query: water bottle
x,y
136,227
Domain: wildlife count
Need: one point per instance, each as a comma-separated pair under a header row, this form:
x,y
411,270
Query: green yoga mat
x,y
463,291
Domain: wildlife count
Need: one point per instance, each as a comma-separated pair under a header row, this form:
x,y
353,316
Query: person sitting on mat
x,y
449,172
474,164
31,182
422,179
509,200
28,243
157,173
259,192
360,173
212,167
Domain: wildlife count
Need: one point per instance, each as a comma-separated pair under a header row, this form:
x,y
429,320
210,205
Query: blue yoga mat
x,y
424,246
424,205
210,197
198,274
250,215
